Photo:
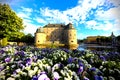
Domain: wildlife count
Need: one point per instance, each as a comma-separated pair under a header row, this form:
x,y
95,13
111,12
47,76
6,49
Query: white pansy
x,y
10,78
7,67
101,67
31,55
31,73
62,59
36,68
24,73
33,64
39,71
62,72
66,78
28,68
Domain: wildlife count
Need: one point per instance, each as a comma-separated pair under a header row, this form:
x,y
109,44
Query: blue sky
x,y
89,17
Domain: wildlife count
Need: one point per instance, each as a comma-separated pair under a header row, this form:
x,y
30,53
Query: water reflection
x,y
97,47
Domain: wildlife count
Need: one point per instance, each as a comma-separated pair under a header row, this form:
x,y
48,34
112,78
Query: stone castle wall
x,y
56,33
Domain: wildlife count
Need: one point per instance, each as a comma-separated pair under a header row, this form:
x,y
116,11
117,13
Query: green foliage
x,y
10,23
4,42
53,45
118,38
28,38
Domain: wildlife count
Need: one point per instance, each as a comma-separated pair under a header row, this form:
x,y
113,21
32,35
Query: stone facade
x,y
56,33
92,39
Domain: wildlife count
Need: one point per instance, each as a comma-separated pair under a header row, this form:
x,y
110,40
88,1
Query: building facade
x,y
59,34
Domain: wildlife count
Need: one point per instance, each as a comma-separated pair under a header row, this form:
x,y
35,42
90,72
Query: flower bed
x,y
29,63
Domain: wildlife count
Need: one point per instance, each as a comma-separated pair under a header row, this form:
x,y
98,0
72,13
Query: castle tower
x,y
113,39
40,38
72,37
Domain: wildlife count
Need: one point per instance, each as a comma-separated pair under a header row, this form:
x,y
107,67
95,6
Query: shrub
x,y
4,42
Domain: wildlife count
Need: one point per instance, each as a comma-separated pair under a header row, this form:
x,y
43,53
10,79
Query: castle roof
x,y
69,26
54,25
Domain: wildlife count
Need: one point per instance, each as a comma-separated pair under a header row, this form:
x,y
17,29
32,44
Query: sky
x,y
89,17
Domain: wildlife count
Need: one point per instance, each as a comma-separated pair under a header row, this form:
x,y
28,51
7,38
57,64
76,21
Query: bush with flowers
x,y
30,63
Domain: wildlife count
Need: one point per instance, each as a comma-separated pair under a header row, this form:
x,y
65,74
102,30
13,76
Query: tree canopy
x,y
10,24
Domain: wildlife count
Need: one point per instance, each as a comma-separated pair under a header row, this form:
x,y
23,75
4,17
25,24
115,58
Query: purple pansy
x,y
28,61
7,59
1,68
2,51
80,70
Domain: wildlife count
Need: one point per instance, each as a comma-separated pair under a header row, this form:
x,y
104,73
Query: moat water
x,y
97,47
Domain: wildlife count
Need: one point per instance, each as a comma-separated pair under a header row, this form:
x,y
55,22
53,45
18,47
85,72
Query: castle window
x,y
71,41
38,41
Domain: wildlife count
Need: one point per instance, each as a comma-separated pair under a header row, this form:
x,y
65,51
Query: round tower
x,y
40,37
72,36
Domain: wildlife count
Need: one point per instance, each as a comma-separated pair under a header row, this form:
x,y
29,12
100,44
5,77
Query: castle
x,y
60,34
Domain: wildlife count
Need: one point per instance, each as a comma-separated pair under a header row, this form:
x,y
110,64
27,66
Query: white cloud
x,y
112,13
23,15
91,23
27,9
77,15
106,26
40,20
30,28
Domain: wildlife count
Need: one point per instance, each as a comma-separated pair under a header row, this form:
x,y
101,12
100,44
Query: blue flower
x,y
80,63
102,58
70,60
93,69
61,66
22,53
34,78
96,77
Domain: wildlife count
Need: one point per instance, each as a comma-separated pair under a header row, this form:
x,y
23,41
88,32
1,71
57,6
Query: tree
x,y
98,40
118,38
29,39
10,24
